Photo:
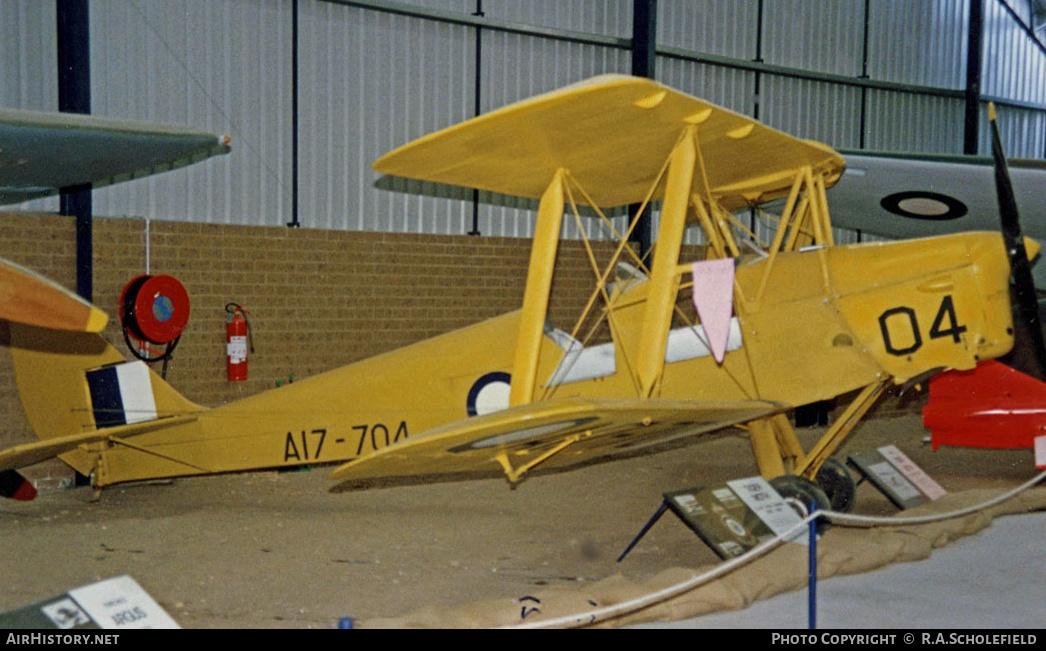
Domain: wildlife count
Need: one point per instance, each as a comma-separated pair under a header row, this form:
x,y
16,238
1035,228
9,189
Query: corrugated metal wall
x,y
220,66
922,43
874,74
369,80
27,56
28,64
1015,70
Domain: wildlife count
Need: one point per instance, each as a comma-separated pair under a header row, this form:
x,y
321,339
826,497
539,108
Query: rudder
x,y
51,374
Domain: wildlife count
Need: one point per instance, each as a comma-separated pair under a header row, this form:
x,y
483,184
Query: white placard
x,y
895,481
913,472
121,603
768,505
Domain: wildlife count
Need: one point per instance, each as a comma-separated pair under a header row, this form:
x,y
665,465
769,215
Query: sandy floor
x,y
271,550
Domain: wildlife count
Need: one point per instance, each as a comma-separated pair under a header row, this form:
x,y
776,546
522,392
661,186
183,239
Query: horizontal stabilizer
x,y
554,433
990,406
51,371
27,454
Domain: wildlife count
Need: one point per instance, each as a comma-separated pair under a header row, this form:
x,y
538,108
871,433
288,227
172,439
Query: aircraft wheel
x,y
806,492
838,483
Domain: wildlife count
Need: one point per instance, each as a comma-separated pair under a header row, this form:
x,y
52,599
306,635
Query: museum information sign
x,y
730,519
897,476
118,603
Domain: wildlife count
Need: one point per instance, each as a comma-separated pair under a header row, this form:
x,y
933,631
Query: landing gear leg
x,y
775,445
838,432
816,479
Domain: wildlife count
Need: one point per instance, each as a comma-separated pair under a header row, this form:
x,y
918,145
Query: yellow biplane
x,y
666,350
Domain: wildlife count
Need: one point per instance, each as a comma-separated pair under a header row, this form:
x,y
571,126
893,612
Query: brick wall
x,y
316,299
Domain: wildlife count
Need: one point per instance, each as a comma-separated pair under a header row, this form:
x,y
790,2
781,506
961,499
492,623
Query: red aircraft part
x,y
16,487
992,406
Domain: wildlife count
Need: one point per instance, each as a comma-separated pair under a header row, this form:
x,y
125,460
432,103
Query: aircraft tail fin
x,y
73,383
990,406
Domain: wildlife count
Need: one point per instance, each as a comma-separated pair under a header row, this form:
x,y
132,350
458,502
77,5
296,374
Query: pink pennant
x,y
714,300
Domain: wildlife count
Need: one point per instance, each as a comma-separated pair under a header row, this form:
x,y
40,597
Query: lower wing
x,y
555,433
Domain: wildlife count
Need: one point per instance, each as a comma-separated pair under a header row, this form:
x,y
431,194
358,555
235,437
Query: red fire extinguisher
x,y
238,341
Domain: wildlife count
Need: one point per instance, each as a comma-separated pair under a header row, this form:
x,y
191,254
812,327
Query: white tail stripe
x,y
121,394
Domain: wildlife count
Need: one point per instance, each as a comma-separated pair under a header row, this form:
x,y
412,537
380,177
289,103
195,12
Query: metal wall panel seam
x,y
473,21
784,71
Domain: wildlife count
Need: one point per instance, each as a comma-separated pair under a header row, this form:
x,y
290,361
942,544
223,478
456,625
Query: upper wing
x,y
613,133
554,433
43,152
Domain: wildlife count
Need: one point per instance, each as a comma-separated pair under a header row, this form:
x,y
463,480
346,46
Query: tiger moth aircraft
x,y
667,350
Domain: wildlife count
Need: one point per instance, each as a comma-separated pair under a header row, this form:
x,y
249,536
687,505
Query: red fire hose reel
x,y
153,310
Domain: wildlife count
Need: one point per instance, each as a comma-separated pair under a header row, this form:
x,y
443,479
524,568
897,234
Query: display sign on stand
x,y
896,476
117,603
731,519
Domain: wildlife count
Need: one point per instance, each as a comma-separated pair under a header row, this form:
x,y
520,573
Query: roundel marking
x,y
920,204
488,394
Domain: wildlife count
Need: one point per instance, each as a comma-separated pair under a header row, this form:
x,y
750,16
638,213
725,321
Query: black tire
x,y
838,483
806,492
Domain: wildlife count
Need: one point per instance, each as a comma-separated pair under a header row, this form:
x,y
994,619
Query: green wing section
x,y
43,152
553,434
613,134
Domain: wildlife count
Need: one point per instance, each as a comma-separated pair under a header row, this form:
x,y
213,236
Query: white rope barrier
x,y
625,607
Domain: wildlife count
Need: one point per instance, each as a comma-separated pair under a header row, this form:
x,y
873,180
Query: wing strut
x,y
778,452
664,276
514,474
535,298
841,429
